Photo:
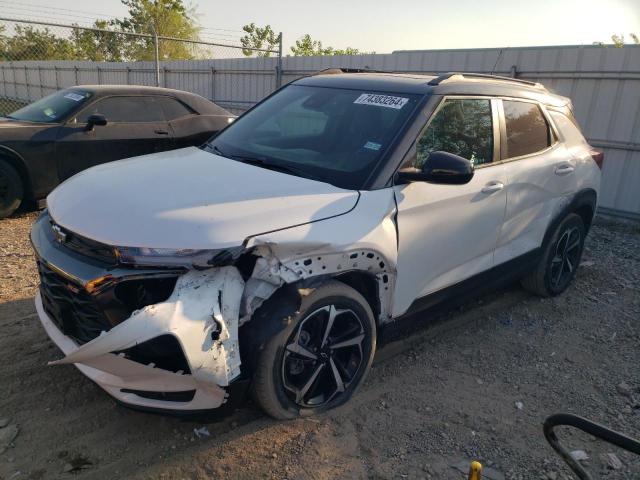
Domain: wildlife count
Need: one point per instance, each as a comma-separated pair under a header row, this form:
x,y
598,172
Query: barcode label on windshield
x,y
74,96
381,100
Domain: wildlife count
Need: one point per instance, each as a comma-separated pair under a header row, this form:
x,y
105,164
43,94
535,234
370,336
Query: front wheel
x,y
318,361
11,189
560,259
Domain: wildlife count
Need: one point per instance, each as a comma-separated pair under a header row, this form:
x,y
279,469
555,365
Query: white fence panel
x,y
603,83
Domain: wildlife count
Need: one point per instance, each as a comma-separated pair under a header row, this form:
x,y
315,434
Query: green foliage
x,y
618,40
29,43
98,46
167,18
259,37
306,47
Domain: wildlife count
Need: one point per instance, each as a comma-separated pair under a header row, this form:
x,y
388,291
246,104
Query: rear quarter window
x,y
173,109
568,129
527,130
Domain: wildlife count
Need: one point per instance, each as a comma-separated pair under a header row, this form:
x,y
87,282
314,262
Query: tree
x,y
618,40
306,47
98,46
29,43
347,51
167,18
259,37
3,43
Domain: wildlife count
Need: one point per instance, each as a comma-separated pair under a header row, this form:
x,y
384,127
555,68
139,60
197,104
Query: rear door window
x,y
125,109
527,130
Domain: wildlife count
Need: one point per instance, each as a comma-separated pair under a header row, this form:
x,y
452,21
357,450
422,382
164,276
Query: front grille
x,y
70,307
82,245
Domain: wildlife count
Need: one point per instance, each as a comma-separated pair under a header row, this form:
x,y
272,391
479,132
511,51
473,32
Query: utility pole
x,y
156,54
279,77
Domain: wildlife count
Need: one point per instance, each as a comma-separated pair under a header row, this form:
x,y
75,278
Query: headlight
x,y
169,257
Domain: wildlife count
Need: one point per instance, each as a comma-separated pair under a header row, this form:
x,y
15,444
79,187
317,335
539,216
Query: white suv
x,y
271,257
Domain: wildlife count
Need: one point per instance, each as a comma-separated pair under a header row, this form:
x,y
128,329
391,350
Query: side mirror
x,y
440,167
96,119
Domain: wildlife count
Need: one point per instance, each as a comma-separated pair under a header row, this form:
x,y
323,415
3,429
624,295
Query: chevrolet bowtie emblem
x,y
60,235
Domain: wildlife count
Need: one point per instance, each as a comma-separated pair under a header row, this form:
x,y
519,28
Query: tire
x,y
288,383
11,189
560,259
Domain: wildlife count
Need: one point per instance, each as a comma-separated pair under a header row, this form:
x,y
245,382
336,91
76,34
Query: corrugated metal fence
x,y
603,82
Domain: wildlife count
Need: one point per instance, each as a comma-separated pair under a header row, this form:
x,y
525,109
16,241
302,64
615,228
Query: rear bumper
x,y
118,376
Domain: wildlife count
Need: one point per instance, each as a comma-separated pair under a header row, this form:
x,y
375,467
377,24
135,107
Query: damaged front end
x,y
159,329
155,337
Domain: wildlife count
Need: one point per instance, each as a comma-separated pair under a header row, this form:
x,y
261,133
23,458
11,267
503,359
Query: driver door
x,y
135,126
448,233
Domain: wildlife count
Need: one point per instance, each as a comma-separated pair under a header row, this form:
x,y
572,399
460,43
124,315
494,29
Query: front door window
x,y
463,127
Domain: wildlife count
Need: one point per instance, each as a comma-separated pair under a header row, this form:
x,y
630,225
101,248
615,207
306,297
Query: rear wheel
x,y
11,189
321,357
560,260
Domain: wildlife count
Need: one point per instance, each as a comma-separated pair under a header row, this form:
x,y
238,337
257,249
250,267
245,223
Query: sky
x,y
386,26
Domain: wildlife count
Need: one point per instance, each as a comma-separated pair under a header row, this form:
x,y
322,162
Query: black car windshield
x,y
52,108
328,134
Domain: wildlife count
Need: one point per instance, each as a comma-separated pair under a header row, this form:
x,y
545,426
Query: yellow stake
x,y
475,471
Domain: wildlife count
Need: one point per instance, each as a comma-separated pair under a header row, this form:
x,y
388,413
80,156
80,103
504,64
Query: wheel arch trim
x,y
586,198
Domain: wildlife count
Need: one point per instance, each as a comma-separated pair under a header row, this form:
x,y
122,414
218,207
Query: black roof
x,y
449,84
196,102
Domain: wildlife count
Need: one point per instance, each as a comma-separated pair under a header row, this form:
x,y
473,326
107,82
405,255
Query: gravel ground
x,y
476,384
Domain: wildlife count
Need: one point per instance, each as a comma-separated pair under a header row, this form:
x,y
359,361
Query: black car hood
x,y
8,123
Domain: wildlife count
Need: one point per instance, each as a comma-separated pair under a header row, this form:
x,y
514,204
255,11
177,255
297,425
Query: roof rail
x,y
446,76
441,78
337,70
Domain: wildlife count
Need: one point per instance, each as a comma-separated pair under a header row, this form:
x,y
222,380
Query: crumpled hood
x,y
189,198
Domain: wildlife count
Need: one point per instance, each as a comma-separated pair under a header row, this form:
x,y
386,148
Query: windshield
x,y
52,108
328,134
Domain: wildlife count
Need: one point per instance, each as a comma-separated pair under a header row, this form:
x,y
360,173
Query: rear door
x,y
135,126
448,233
540,173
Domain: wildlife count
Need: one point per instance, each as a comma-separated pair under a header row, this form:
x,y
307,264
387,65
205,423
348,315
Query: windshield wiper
x,y
216,150
262,162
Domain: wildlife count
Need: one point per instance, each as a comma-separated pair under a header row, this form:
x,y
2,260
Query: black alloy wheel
x,y
316,356
323,356
559,260
567,256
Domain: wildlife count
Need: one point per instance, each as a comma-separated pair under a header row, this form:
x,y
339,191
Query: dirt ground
x,y
476,384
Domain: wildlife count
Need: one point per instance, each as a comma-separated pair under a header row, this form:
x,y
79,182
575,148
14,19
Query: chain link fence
x,y
38,58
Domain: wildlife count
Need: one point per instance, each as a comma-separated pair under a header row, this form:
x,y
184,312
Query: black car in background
x,y
52,139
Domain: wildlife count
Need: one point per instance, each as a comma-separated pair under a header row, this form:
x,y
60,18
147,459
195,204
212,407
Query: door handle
x,y
492,187
563,169
161,132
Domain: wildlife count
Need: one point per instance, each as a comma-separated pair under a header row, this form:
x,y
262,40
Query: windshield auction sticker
x,y
381,100
74,96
